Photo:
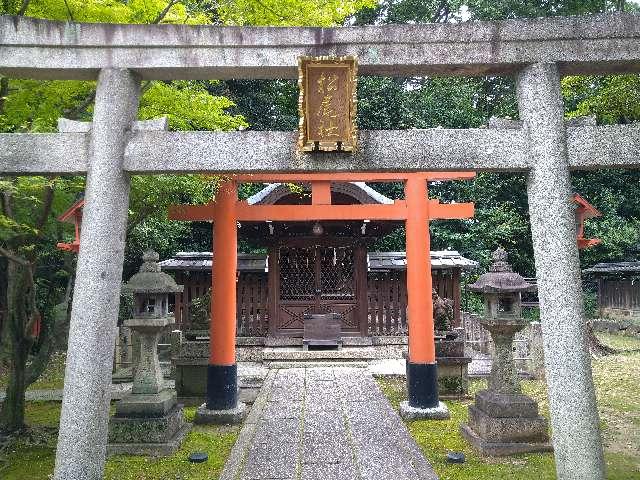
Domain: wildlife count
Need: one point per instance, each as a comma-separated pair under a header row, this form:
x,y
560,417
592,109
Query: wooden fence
x,y
387,301
252,305
623,293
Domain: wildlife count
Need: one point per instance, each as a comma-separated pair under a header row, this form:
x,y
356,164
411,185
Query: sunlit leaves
x,y
612,99
321,13
188,106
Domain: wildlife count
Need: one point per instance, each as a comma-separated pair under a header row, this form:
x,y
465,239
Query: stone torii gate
x,y
416,210
536,52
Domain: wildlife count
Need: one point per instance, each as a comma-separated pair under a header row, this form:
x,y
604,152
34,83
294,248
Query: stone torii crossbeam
x,y
537,52
415,210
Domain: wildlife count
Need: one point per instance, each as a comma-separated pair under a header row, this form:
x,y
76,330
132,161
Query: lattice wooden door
x,y
316,279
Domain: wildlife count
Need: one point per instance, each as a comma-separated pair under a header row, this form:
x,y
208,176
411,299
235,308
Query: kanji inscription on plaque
x,y
327,103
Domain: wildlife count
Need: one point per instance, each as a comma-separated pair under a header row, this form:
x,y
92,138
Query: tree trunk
x,y
20,307
596,347
12,412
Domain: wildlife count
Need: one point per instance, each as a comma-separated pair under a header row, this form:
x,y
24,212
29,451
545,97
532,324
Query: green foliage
x,y
400,11
114,11
320,13
189,106
201,311
31,456
612,99
505,9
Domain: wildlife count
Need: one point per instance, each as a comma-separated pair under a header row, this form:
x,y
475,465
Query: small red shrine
x,y
584,210
72,215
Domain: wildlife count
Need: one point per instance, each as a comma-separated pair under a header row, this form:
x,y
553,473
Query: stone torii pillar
x,y
96,298
574,416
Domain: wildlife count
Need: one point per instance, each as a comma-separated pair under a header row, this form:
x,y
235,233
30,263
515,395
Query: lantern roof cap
x,y
150,278
501,278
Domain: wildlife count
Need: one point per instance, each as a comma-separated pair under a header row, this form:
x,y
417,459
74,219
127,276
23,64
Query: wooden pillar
x,y
455,289
422,379
222,384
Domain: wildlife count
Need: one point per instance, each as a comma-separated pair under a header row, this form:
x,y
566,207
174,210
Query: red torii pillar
x,y
221,405
422,374
222,375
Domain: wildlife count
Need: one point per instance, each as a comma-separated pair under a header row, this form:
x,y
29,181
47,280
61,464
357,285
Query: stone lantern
x,y
148,420
503,421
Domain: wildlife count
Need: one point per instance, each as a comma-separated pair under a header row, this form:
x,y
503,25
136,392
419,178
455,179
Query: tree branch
x,y
4,91
14,258
46,209
74,113
164,12
69,11
441,11
141,216
23,8
6,204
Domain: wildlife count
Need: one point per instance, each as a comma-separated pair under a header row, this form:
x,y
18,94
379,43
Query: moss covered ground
x,y
618,391
31,455
51,379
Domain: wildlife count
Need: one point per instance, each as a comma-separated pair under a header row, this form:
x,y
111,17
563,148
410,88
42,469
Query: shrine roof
x,y
440,259
360,189
614,267
201,261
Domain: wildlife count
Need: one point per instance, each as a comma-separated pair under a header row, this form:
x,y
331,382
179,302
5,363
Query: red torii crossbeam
x,y
415,210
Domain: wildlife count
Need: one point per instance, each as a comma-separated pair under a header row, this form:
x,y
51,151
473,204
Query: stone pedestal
x,y
506,424
503,421
229,416
453,379
148,421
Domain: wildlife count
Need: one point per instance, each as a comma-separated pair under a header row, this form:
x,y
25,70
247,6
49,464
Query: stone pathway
x,y
324,424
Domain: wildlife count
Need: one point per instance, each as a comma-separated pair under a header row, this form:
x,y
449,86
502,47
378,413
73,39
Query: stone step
x,y
313,364
349,353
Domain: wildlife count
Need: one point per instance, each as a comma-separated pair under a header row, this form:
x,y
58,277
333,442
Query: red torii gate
x,y
416,210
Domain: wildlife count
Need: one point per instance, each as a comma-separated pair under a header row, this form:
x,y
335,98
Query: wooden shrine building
x,y
317,267
618,289
386,307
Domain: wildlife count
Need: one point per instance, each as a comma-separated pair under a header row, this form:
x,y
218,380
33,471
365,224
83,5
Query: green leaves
x,y
612,99
317,13
189,106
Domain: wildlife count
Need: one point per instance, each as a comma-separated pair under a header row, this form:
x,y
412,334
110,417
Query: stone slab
x,y
381,150
232,416
146,405
501,449
329,471
47,49
151,449
499,405
513,429
330,437
441,412
146,430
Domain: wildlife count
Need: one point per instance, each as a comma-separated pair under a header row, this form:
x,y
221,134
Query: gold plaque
x,y
327,103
